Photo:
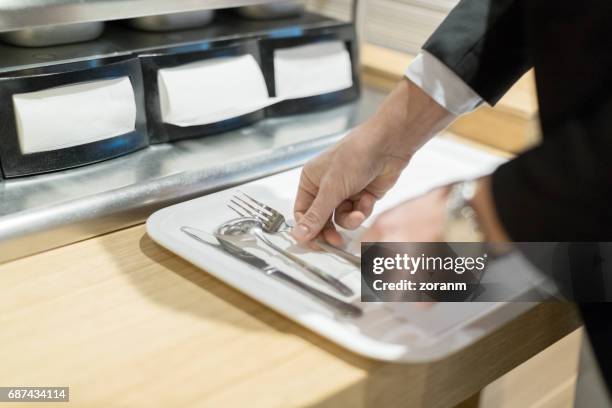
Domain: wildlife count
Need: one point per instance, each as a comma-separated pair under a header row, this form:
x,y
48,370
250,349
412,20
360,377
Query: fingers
x,y
329,232
318,214
306,194
314,208
346,216
351,213
331,235
365,205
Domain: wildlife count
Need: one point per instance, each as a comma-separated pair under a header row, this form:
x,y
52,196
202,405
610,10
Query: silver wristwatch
x,y
461,219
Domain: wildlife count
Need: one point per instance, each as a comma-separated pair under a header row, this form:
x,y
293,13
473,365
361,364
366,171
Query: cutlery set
x,y
273,221
257,219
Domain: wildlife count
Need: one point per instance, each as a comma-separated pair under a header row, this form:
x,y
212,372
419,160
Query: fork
x,y
252,226
273,221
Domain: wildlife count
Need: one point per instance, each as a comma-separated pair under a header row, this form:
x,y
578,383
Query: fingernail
x,y
300,232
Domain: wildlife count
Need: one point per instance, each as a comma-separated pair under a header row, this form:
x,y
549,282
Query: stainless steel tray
x,y
280,9
174,21
54,35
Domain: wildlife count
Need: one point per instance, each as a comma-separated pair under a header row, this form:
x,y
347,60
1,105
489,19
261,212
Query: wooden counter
x,y
126,323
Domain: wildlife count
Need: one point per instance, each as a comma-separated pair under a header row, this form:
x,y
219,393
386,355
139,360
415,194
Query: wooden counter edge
x,y
368,383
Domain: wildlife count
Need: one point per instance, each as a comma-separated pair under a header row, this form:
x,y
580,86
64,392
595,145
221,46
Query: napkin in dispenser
x,y
312,69
212,90
73,115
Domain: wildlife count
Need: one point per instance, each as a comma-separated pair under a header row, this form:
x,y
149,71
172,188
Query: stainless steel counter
x,y
19,14
46,211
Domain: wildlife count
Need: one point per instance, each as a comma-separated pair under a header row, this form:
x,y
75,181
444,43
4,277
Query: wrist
x,y
407,119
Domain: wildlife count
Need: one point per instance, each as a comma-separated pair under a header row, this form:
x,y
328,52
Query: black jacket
x,y
560,190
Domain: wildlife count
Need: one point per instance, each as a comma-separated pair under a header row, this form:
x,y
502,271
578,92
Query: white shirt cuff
x,y
443,85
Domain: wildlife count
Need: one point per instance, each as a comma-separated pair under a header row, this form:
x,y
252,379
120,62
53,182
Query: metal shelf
x,y
121,40
19,14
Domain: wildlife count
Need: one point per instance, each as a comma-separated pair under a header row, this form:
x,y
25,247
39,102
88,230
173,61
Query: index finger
x,y
307,191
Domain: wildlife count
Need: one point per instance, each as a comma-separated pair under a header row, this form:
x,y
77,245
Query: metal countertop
x,y
50,210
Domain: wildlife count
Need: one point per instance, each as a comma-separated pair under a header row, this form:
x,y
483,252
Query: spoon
x,y
252,226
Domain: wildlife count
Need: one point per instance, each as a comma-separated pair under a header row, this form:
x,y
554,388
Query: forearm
x,y
407,119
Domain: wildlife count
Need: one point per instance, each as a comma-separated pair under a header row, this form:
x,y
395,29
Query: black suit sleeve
x,y
483,42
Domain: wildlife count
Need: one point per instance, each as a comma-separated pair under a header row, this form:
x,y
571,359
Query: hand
x,y
423,219
418,220
348,179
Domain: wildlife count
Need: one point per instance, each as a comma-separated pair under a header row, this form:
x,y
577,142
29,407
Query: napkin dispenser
x,y
192,92
218,84
315,70
71,114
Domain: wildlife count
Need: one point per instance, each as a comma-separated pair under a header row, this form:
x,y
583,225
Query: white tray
x,y
399,332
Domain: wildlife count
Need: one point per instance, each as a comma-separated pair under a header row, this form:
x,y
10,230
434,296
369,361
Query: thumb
x,y
320,211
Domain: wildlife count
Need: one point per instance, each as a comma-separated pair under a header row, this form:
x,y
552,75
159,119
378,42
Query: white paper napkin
x,y
312,69
73,115
212,90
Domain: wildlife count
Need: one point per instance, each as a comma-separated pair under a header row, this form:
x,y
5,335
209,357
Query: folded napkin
x,y
212,90
312,69
74,115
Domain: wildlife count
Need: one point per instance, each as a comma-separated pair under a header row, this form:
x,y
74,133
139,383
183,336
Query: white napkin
x,y
212,90
73,115
312,69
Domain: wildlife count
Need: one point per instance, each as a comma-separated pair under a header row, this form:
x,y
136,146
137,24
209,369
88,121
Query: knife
x,y
347,256
220,243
